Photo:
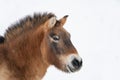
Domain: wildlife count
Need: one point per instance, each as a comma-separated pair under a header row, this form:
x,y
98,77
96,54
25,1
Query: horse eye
x,y
56,38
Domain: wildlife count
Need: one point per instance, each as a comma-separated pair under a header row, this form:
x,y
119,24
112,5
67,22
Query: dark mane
x,y
1,39
25,24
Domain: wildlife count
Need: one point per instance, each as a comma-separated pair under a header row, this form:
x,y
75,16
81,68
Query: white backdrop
x,y
94,26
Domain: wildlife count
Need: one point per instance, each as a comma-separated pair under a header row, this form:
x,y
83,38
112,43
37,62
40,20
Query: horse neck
x,y
26,49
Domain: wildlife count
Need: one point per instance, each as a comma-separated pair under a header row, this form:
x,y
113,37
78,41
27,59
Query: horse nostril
x,y
76,63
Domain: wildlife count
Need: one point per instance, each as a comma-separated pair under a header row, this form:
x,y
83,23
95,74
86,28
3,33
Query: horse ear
x,y
63,20
51,22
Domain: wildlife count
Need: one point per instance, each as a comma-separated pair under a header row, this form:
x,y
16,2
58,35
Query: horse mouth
x,y
69,69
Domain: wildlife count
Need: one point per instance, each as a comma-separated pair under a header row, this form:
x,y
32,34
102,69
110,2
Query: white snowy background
x,y
94,26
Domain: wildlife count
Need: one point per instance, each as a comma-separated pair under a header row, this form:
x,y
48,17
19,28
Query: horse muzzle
x,y
74,63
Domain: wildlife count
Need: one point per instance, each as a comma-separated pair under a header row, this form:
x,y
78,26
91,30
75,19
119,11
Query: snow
x,y
95,31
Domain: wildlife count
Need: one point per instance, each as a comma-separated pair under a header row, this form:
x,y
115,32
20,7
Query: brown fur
x,y
23,60
29,50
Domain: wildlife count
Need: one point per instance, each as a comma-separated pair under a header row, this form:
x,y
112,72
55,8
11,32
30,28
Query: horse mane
x,y
25,24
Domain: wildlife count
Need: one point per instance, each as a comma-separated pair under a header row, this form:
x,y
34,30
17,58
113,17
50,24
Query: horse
x,y
33,44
